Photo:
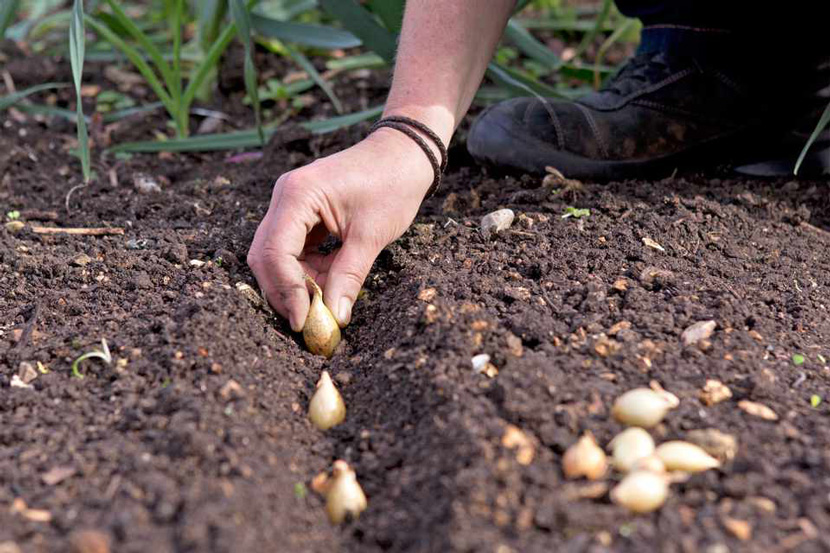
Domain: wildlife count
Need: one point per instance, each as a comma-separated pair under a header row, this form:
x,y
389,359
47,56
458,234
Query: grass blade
x,y
309,68
11,99
369,60
823,122
364,25
206,67
589,37
242,139
519,84
620,32
528,44
7,12
77,47
144,41
315,36
239,13
137,60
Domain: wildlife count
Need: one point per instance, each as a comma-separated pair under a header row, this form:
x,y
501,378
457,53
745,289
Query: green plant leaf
x,y
815,401
599,23
304,34
363,24
206,67
77,47
367,60
143,40
519,84
823,121
309,68
9,100
239,13
798,359
390,12
528,44
242,139
137,60
7,12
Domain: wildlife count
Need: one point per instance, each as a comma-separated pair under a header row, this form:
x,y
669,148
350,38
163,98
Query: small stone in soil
x,y
15,226
714,392
57,475
701,330
89,541
497,221
720,445
81,260
231,390
145,184
17,382
26,372
758,410
741,529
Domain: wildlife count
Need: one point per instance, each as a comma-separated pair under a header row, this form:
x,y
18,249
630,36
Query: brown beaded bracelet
x,y
406,125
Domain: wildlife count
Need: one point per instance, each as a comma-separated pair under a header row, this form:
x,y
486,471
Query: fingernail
x,y
296,325
344,312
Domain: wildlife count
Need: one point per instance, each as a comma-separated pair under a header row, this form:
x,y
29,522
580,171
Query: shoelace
x,y
641,69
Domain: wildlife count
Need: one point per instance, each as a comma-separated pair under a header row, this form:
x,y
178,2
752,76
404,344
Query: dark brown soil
x,y
162,456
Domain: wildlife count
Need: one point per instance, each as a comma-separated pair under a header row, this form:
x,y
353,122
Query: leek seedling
x,y
103,354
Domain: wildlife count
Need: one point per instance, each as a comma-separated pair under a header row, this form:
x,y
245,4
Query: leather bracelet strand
x,y
436,166
404,124
424,129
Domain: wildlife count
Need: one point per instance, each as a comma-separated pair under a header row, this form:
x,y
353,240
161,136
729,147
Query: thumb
x,y
349,269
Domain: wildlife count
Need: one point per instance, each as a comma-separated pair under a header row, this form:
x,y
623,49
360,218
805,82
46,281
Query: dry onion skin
x,y
686,457
321,332
326,408
641,491
585,458
344,498
643,407
629,446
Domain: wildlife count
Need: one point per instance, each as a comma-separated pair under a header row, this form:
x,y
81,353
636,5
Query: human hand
x,y
367,196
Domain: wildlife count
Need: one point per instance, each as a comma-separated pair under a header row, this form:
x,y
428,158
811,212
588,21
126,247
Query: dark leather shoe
x,y
657,114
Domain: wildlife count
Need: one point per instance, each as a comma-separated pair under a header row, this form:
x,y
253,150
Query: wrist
x,y
408,157
437,118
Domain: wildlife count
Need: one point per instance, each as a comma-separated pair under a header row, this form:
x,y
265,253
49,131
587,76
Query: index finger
x,y
275,251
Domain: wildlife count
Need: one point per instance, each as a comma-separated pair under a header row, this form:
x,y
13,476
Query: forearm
x,y
443,53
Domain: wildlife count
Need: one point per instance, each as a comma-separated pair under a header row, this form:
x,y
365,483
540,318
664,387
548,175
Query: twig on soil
x,y
814,228
28,327
9,82
547,298
94,231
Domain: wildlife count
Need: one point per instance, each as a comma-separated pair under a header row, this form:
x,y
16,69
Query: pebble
x,y
15,226
145,184
26,372
89,541
758,410
231,390
17,382
81,260
720,445
497,221
701,330
714,392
